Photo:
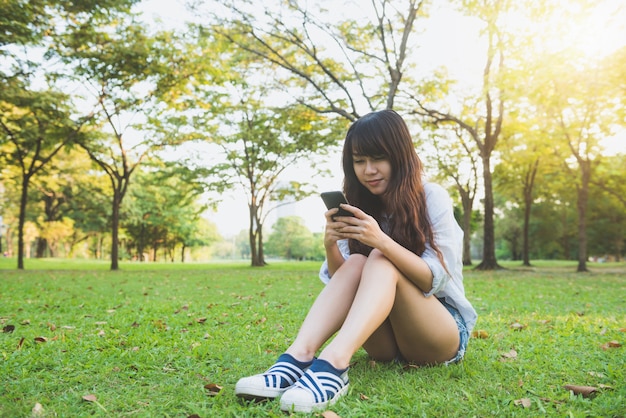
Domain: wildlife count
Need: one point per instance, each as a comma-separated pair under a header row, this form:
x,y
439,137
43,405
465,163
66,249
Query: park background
x,y
151,130
139,138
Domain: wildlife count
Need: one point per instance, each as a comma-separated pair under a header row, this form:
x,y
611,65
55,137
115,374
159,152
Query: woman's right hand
x,y
331,230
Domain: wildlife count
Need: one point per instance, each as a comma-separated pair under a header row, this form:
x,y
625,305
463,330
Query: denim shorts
x,y
463,333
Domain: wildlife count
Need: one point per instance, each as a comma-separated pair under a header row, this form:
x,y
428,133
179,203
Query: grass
x,y
147,339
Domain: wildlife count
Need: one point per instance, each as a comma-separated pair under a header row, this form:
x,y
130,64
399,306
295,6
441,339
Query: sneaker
x,y
320,387
276,380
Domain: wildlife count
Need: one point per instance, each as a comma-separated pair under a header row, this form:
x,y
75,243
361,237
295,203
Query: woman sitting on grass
x,y
393,275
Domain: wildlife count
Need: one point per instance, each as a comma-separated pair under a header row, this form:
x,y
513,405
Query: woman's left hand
x,y
361,227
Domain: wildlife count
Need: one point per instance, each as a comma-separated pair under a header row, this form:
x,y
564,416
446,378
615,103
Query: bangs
x,y
368,143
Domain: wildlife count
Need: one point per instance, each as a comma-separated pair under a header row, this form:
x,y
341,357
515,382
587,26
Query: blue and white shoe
x,y
320,387
275,381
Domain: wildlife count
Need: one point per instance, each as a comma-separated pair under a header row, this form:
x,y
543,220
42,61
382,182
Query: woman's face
x,y
372,172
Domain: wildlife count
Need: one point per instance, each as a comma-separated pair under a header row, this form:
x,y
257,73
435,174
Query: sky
x,y
449,39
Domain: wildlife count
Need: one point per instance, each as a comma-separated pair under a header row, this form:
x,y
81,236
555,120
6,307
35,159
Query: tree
x,y
164,211
38,25
330,66
263,143
457,160
483,118
37,126
122,68
290,239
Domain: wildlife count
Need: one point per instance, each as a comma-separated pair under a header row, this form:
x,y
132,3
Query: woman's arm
x,y
426,271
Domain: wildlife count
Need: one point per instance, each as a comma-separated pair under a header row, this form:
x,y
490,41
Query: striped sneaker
x,y
320,387
276,380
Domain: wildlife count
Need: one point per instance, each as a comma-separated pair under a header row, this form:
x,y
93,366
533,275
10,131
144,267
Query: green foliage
x,y
147,342
292,240
162,212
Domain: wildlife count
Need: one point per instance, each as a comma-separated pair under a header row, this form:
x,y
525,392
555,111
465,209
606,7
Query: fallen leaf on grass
x,y
480,333
611,344
37,410
524,402
330,414
212,389
363,397
584,391
516,326
194,416
41,340
90,398
8,328
510,355
21,343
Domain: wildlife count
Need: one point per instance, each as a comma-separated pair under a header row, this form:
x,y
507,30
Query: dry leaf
x,y
41,340
481,334
8,328
330,414
524,402
585,391
511,355
212,389
611,344
37,410
21,343
363,397
194,416
90,398
517,326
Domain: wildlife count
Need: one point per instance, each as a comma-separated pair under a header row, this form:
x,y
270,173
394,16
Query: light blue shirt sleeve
x,y
345,252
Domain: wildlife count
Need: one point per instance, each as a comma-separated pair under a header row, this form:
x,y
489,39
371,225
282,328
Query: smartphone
x,y
333,200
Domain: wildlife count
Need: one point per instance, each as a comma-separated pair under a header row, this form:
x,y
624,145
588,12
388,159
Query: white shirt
x,y
449,238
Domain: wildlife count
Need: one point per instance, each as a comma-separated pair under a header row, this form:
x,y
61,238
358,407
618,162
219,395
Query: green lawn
x,y
147,339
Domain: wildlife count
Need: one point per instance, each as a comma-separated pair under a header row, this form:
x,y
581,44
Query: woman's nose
x,y
370,167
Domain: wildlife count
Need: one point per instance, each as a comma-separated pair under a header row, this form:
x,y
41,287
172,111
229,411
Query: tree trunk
x,y
115,225
21,222
40,250
489,261
525,234
467,203
528,202
583,196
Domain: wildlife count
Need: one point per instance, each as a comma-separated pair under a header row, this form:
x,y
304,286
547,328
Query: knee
x,y
376,256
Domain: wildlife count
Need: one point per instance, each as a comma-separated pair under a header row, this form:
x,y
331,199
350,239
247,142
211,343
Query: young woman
x,y
393,275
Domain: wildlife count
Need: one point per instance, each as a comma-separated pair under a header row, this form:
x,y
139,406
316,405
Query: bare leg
x,y
422,329
329,309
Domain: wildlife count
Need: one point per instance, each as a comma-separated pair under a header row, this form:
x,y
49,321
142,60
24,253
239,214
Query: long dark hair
x,y
385,134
